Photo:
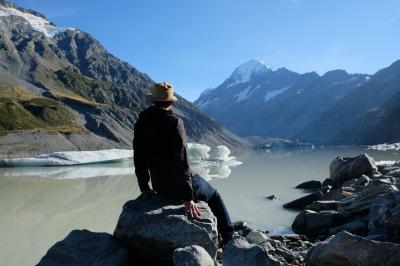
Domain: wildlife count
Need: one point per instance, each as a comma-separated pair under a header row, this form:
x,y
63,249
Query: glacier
x,y
37,23
273,93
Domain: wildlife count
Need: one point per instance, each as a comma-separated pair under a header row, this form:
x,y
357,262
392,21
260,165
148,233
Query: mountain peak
x,y
245,71
37,21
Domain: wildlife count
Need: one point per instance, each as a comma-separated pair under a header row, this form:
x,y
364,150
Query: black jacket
x,y
160,153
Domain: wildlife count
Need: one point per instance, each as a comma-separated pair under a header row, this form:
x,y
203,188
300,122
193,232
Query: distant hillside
x,y
370,114
258,101
60,89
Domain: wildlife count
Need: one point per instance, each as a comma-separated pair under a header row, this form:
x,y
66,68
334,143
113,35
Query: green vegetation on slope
x,y
35,113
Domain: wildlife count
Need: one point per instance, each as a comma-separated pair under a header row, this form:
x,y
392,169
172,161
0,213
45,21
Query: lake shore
x,y
347,206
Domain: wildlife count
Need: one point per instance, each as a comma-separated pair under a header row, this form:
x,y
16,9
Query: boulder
x,y
382,209
312,184
393,223
360,203
239,252
346,168
358,226
338,194
357,184
85,248
302,202
242,228
314,224
345,249
256,237
272,197
154,227
394,172
323,205
192,256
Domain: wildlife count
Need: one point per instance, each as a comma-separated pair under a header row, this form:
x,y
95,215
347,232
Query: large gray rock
x,y
154,227
360,203
192,256
256,237
338,194
314,224
357,184
240,253
85,248
346,168
383,209
346,249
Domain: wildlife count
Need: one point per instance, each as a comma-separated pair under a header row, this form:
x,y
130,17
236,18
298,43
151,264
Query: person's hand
x,y
191,209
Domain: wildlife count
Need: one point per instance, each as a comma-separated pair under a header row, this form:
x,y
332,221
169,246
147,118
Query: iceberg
x,y
385,147
207,162
198,152
68,172
385,163
211,163
69,158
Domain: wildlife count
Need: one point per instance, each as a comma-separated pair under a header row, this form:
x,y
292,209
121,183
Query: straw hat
x,y
163,92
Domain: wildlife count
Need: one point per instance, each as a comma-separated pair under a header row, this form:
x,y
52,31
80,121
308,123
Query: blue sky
x,y
197,44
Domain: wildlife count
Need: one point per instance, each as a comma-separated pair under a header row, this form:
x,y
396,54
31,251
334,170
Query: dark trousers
x,y
203,191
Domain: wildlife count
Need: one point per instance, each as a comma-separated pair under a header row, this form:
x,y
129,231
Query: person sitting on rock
x,y
161,155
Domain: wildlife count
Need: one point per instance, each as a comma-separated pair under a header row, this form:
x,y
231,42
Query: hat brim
x,y
157,99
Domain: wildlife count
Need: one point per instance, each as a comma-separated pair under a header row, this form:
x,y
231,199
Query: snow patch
x,y
245,71
244,94
273,93
37,23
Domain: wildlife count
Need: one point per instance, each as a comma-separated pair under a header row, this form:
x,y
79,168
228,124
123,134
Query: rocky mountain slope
x,y
370,114
61,90
258,101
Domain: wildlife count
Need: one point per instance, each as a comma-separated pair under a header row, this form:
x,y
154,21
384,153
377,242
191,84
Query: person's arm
x,y
140,160
185,177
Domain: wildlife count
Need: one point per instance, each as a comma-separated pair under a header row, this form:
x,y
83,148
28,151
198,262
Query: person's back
x,y
160,155
160,141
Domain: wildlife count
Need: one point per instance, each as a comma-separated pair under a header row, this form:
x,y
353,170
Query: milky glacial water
x,y
39,206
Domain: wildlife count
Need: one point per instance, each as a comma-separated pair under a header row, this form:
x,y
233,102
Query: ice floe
x,y
385,147
207,162
69,158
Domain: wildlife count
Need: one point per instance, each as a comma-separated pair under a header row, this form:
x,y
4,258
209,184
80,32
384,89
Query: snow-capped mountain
x,y
37,21
258,101
61,90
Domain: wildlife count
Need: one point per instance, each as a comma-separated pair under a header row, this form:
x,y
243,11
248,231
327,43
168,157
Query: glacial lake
x,y
40,206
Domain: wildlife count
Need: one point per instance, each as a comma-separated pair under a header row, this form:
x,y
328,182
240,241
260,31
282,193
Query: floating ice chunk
x,y
385,147
198,152
69,158
68,172
384,163
221,153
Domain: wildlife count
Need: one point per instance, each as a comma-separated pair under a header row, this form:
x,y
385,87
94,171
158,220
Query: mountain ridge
x,y
278,103
73,70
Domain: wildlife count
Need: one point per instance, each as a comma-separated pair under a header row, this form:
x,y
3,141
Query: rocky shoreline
x,y
351,218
